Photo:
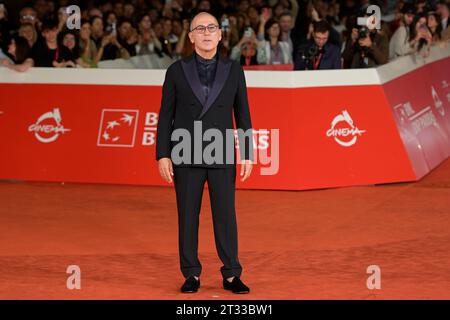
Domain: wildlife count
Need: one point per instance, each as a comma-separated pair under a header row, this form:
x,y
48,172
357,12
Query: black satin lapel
x,y
191,73
222,72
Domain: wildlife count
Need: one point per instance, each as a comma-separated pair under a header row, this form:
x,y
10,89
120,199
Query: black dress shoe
x,y
236,286
191,285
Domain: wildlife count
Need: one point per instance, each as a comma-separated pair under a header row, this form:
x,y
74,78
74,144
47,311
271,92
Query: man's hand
x,y
166,169
354,35
366,42
246,169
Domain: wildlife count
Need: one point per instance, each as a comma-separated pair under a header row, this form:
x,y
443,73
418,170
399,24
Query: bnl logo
x,y
372,19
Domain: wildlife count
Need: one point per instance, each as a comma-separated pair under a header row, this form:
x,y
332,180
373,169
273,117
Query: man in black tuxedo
x,y
200,94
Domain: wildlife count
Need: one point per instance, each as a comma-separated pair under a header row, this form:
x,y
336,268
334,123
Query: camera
x,y
312,51
363,33
308,54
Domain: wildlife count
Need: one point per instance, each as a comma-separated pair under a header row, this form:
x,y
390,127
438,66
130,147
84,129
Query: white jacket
x,y
399,45
264,53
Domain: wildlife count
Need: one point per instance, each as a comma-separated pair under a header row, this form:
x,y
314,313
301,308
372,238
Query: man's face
x,y
420,7
28,15
128,10
205,33
167,27
125,30
97,27
204,6
321,38
50,35
41,7
286,23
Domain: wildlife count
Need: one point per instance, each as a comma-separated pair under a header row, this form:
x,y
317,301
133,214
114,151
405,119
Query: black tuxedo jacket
x,y
182,105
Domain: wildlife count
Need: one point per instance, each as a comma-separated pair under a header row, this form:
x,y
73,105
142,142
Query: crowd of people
x,y
309,35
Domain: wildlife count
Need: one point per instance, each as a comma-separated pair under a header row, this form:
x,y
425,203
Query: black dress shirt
x,y
206,71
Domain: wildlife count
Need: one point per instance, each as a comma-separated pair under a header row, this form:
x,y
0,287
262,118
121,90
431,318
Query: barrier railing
x,y
314,129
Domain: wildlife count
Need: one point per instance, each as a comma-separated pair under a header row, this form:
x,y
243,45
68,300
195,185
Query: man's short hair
x,y
321,26
408,8
286,13
50,24
124,20
92,19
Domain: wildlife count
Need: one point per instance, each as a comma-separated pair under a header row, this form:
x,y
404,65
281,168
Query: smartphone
x,y
248,32
225,23
113,28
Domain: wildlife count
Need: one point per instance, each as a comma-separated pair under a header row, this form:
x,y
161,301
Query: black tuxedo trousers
x,y
189,186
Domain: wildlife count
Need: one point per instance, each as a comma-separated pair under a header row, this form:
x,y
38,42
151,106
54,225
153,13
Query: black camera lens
x,y
363,32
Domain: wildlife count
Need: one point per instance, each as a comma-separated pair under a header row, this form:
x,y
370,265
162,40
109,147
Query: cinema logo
x,y
48,126
213,153
343,130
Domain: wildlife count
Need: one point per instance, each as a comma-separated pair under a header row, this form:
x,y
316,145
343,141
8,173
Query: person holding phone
x,y
420,36
246,50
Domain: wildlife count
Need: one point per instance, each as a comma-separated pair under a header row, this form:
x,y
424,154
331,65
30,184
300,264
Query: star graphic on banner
x,y
127,118
112,124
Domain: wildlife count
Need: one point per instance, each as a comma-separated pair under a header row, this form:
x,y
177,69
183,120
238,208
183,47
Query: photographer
x,y
319,54
367,48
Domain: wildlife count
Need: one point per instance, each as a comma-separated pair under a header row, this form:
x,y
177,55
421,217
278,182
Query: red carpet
x,y
293,245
